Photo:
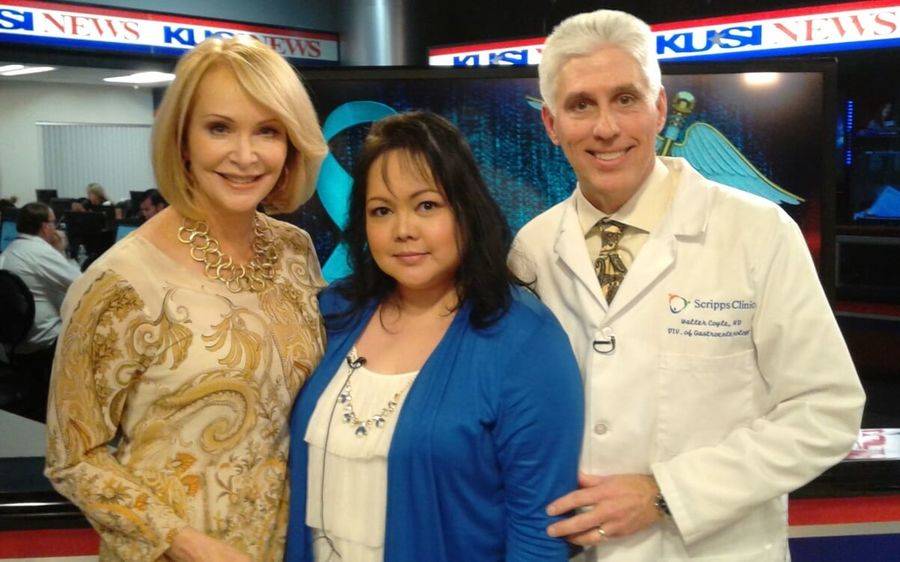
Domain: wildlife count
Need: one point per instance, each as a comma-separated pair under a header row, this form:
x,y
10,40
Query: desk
x,y
30,437
850,513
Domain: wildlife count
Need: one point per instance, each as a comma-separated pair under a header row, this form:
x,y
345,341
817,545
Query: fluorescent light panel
x,y
9,67
142,78
27,70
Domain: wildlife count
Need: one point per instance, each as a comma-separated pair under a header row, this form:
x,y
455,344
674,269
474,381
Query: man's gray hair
x,y
583,34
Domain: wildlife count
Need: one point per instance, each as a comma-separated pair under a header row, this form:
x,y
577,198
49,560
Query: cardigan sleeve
x,y
538,439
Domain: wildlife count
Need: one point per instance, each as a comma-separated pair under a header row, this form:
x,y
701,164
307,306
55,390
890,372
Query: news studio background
x,y
778,129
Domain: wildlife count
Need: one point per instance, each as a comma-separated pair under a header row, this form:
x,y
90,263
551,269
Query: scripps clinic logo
x,y
677,303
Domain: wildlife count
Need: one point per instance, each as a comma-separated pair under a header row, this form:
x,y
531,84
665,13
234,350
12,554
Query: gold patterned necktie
x,y
609,267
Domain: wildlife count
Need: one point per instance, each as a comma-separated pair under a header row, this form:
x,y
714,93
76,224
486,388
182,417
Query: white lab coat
x,y
729,380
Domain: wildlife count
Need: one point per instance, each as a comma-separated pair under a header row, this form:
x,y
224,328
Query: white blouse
x,y
354,489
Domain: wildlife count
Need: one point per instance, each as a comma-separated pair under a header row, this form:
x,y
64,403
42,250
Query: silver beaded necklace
x,y
345,398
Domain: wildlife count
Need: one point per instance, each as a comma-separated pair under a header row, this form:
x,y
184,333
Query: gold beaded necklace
x,y
255,276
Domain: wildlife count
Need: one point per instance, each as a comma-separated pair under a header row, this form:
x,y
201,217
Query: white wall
x,y
23,104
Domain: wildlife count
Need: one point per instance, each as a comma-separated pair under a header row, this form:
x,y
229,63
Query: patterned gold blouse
x,y
194,385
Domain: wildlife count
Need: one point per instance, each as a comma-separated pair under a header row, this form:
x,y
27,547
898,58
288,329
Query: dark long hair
x,y
483,278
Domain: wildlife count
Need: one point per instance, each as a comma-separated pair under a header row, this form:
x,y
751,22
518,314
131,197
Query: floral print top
x,y
170,398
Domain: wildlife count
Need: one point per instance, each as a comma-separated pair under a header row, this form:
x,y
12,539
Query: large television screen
x,y
765,127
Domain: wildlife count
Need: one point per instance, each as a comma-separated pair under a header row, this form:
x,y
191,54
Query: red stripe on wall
x,y
684,24
833,511
826,511
48,542
774,14
506,44
879,309
172,18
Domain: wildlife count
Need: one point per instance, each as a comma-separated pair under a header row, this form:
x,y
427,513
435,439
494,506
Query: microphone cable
x,y
354,364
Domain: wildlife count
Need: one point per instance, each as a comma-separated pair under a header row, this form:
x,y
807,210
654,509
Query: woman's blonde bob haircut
x,y
271,82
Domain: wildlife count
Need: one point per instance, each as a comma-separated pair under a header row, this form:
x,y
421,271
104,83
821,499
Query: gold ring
x,y
602,533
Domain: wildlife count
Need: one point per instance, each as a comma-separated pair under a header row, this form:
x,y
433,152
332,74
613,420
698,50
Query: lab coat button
x,y
605,346
600,428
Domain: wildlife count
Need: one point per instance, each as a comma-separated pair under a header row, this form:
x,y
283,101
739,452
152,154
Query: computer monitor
x,y
108,211
125,227
46,195
874,180
867,268
61,205
87,229
8,232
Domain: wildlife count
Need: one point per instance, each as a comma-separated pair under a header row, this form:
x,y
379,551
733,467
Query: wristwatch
x,y
661,506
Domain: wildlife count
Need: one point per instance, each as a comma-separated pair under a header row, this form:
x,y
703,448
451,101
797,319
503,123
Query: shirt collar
x,y
644,210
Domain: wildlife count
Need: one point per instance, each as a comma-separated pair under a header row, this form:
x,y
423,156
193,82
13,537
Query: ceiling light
x,y
9,67
142,78
29,70
760,78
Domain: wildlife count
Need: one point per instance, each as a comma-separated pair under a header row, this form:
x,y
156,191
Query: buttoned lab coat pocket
x,y
703,398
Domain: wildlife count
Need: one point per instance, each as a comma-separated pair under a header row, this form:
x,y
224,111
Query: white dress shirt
x,y
48,275
641,214
347,485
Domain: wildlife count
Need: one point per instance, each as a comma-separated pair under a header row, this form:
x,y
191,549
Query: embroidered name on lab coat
x,y
709,318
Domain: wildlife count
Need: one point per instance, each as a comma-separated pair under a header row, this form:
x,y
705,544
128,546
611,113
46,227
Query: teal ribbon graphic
x,y
335,183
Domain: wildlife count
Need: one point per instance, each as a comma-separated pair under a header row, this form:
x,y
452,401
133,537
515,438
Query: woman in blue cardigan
x,y
448,409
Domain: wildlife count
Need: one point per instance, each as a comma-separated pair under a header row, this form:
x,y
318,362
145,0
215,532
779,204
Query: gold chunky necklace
x,y
254,276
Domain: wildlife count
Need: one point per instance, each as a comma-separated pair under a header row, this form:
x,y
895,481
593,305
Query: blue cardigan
x,y
489,434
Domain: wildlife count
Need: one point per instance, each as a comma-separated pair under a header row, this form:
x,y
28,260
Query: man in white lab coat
x,y
715,375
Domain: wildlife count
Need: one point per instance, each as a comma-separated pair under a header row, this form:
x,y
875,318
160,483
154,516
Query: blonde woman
x,y
96,198
96,195
190,338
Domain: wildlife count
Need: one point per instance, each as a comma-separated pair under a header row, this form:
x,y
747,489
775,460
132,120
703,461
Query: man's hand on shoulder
x,y
619,505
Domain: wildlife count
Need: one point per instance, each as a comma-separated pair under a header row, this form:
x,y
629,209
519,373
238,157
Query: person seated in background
x,y
885,121
96,197
37,255
8,202
151,204
123,209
